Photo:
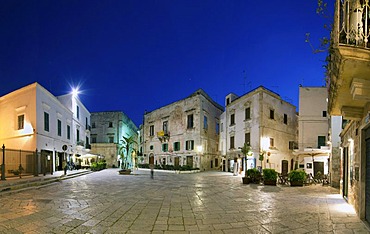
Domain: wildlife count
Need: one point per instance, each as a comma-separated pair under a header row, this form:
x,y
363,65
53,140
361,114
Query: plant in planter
x,y
297,177
269,176
254,176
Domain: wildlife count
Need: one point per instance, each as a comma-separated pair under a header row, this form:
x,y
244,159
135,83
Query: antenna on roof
x,y
245,82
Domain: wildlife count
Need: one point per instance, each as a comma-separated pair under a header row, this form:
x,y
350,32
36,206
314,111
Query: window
x,y
77,135
151,130
87,141
93,139
247,139
217,128
190,121
20,122
285,119
247,113
227,101
110,125
165,127
111,139
272,114
176,146
59,127
205,122
293,145
189,145
321,141
222,127
93,125
271,142
165,147
46,121
151,147
232,142
324,114
78,112
232,119
68,132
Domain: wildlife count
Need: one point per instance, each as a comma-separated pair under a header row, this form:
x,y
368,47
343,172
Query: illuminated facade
x,y
349,96
107,129
185,132
31,118
313,131
264,121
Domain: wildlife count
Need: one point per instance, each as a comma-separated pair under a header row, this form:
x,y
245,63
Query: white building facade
x,y
266,123
31,119
313,131
184,133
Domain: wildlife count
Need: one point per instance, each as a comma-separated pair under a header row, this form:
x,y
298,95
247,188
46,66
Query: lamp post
x,y
3,165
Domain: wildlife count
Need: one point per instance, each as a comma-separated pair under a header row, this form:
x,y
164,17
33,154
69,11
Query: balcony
x,y
349,59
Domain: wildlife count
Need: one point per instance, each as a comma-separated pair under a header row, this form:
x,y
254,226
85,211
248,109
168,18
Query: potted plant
x,y
297,177
269,176
246,150
254,175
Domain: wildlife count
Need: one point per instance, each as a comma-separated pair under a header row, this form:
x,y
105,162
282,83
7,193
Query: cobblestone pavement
x,y
208,202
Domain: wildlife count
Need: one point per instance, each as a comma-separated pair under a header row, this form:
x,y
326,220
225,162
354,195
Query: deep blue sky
x,y
136,55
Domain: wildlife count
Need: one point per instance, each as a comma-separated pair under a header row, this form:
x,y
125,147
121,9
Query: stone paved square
x,y
206,202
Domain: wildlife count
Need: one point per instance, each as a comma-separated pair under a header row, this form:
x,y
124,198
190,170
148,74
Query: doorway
x,y
318,167
367,178
284,167
345,172
177,161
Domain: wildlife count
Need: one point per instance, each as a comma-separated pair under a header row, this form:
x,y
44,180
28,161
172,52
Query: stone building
x,y
107,131
313,131
349,91
264,121
185,132
31,118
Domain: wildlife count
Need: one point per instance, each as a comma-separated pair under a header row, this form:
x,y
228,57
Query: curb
x,y
37,183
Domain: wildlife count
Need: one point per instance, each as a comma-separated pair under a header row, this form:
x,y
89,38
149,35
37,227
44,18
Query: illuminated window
x,y
189,145
20,122
165,127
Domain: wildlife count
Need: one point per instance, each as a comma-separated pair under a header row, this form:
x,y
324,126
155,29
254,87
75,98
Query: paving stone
x,y
174,203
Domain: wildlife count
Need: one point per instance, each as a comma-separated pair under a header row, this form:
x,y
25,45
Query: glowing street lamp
x,y
75,92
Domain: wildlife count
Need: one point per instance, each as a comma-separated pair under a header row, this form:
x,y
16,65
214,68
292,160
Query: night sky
x,y
140,55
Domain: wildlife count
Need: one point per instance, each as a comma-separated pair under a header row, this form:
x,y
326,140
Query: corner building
x,y
348,82
185,132
266,123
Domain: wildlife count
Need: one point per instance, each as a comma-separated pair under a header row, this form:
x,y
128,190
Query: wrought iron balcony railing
x,y
352,23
